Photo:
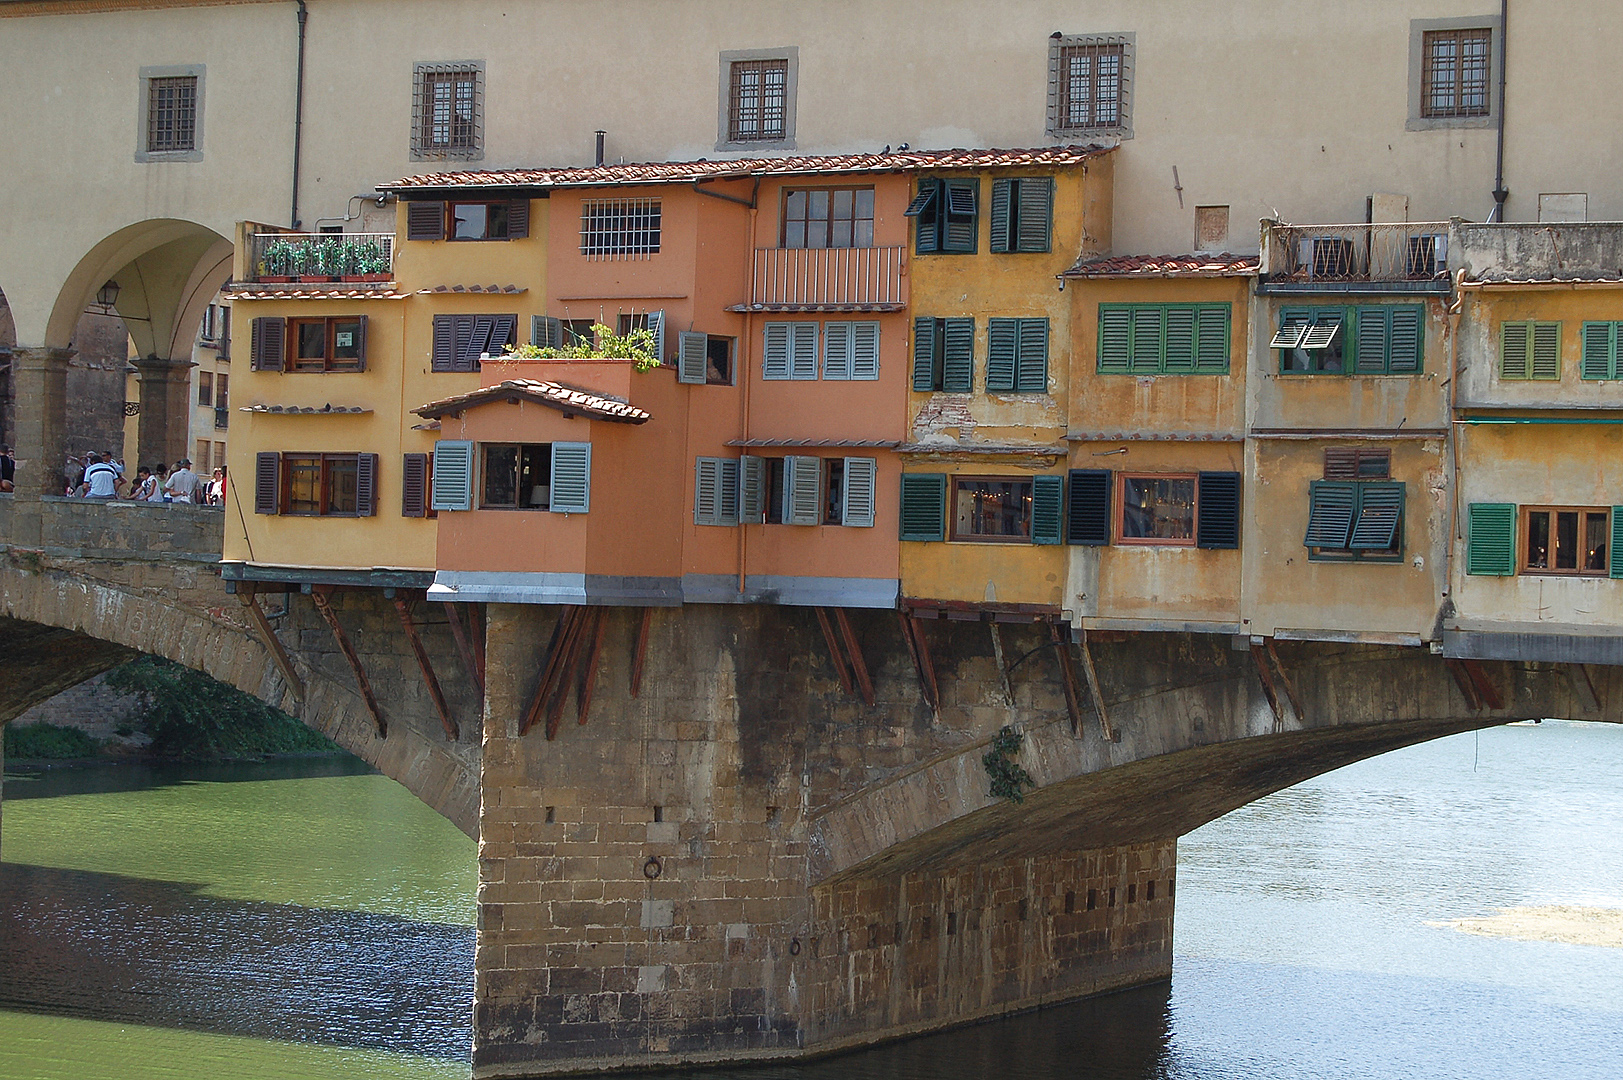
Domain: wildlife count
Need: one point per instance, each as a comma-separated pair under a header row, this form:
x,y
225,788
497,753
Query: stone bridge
x,y
718,833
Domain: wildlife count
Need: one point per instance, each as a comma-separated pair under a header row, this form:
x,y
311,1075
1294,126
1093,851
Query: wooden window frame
x,y
1119,510
1063,119
955,482
1350,463
325,467
1524,551
488,204
1456,108
785,220
464,139
482,461
329,363
769,126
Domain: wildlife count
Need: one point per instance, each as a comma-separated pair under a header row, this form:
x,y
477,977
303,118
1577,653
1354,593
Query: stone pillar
x,y
164,431
42,434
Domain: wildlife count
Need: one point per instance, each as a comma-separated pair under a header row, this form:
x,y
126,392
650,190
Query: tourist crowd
x,y
102,476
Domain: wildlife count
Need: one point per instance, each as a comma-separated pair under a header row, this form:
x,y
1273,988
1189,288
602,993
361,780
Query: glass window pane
x,y
1566,540
346,339
842,202
794,206
303,484
1595,541
535,476
312,340
501,476
863,234
1158,508
864,208
341,476
794,234
1538,540
468,221
992,508
817,204
842,234
817,233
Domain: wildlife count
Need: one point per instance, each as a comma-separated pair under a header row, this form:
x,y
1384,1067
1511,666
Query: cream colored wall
x,y
1301,117
1485,312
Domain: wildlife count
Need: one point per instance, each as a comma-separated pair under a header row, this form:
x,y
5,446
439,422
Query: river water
x,y
309,919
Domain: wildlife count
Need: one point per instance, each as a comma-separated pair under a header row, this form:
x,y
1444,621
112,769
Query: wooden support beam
x,y
853,654
549,665
477,625
1584,689
571,653
639,652
464,647
1484,686
588,681
1093,689
321,595
1285,681
835,654
1462,679
919,650
267,636
1067,672
1260,656
403,606
1002,664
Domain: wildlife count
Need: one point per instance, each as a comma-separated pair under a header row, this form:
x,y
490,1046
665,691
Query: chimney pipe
x,y
599,134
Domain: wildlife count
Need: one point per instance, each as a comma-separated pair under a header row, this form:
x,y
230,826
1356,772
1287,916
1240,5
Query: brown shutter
x,y
366,485
444,358
360,342
518,219
269,344
425,221
414,485
267,482
225,333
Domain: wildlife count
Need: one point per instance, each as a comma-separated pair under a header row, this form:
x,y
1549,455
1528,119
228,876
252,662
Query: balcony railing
x,y
222,417
871,278
321,257
1408,251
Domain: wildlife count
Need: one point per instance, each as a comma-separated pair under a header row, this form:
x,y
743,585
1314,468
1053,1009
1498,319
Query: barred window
x,y
1454,81
448,112
758,102
1088,83
171,114
619,228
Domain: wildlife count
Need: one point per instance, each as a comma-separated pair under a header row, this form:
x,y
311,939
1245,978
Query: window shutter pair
x,y
1088,523
425,221
943,355
1017,355
1530,350
1174,339
1600,351
1022,213
924,507
715,491
1388,340
414,472
790,351
1346,516
459,340
946,212
268,348
692,357
851,350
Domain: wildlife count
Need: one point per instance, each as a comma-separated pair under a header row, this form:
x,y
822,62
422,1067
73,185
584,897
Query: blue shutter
x,y
802,491
924,506
958,355
1002,347
1115,339
861,477
803,351
837,350
706,491
865,350
752,487
546,332
267,482
727,492
1047,509
1217,510
691,357
775,351
453,475
1031,365
1490,539
571,478
1088,522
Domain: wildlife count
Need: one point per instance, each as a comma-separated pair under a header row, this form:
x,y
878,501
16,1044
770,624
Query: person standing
x,y
8,470
101,479
182,483
160,477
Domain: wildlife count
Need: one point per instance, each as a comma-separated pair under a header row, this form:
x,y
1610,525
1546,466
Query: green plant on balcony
x,y
637,345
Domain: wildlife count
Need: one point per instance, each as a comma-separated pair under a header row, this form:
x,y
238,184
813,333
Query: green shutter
x,y
1002,347
1617,538
1406,345
453,475
1034,197
1332,506
1115,339
1380,516
958,213
1147,349
571,478
706,491
1031,365
1546,351
924,506
1180,340
1212,341
927,207
1600,351
958,355
1002,196
1047,509
1513,350
926,361
1370,340
1490,539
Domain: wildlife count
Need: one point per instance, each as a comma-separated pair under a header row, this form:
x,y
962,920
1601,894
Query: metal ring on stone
x,y
652,869
794,946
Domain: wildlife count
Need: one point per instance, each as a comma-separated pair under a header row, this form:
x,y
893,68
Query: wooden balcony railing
x,y
811,279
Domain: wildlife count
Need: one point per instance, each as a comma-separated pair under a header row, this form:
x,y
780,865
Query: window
x,y
209,331
511,476
946,215
447,115
1378,339
704,359
1355,521
1017,355
1564,540
757,98
1454,75
1164,339
851,350
516,477
460,340
785,491
1089,84
1022,213
337,343
171,114
790,351
990,509
205,389
316,485
1182,510
1157,510
619,228
1600,356
200,456
489,220
222,398
943,355
1357,463
1530,350
828,218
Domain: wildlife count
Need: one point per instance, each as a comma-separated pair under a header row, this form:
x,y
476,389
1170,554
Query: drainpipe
x,y
600,136
742,367
1500,192
298,116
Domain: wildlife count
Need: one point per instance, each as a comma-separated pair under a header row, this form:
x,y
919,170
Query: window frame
x,y
324,463
426,75
1524,548
481,482
932,204
1360,488
1465,41
1349,334
1420,117
1119,510
957,481
856,191
291,360
726,133
205,389
450,219
1059,125
1198,312
149,77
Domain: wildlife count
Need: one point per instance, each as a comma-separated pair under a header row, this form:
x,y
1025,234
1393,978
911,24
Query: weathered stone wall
x,y
92,707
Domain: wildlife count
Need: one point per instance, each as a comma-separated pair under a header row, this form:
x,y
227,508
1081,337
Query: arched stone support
x,y
41,381
165,387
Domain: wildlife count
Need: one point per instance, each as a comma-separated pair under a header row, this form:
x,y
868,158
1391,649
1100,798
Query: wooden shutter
x,y
444,357
1614,561
425,221
691,357
1002,349
1600,351
518,219
1380,511
1217,510
926,358
857,505
1357,463
1088,522
476,344
1406,345
865,350
1031,364
1115,339
837,350
1332,505
1035,204
926,207
366,485
924,506
1047,509
546,332
360,343
1002,197
1147,347
1370,340
802,491
727,491
267,482
268,350
1212,340
958,214
958,355
1178,353
1490,539
656,326
707,491
775,351
752,488
1513,350
414,485
453,475
803,351
571,478
503,334
1546,351
225,333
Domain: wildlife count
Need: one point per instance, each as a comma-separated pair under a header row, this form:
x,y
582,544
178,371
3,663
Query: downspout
x,y
1451,463
1500,192
298,116
744,367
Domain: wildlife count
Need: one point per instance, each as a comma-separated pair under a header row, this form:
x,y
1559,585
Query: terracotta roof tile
x,y
682,172
436,290
273,291
1145,266
306,410
567,399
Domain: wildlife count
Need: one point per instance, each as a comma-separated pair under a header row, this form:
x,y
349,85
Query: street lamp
x,y
107,296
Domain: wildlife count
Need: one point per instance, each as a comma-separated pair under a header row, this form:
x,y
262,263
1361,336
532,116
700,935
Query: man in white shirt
x,y
182,482
101,479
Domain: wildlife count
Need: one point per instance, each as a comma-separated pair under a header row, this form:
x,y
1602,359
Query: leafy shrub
x,y
44,740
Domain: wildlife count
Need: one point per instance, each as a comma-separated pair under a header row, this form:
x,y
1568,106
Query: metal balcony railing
x,y
1406,251
222,417
873,278
322,257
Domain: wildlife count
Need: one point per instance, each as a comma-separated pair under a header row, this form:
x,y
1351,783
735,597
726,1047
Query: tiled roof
x,y
504,289
1526,282
566,399
274,291
682,172
1157,266
878,444
306,410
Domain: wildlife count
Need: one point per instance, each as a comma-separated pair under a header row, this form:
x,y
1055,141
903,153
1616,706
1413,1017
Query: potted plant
x,y
317,260
274,264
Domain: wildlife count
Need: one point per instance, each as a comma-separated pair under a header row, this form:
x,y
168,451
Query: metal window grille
x,y
1455,79
619,228
172,114
448,112
758,102
1088,84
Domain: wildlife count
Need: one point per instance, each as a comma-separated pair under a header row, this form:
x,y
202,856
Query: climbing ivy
x,y
1008,778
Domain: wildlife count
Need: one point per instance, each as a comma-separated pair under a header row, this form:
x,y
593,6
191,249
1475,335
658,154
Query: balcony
x,y
321,257
222,417
1405,257
828,279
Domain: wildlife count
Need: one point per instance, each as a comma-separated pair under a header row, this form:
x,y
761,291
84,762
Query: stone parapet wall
x,y
114,528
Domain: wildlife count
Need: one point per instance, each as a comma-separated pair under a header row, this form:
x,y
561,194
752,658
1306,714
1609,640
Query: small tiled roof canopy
x,y
566,399
683,172
1157,266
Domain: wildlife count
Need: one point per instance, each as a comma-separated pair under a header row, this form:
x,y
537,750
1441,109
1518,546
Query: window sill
x,y
1353,558
1024,541
1441,123
151,157
785,143
1090,133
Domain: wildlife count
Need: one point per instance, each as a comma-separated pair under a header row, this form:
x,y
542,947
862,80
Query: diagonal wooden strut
x,y
853,656
582,627
403,606
279,656
321,595
464,648
835,653
1067,672
549,667
1285,681
639,652
1484,686
919,649
588,679
1093,688
1462,679
1260,657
